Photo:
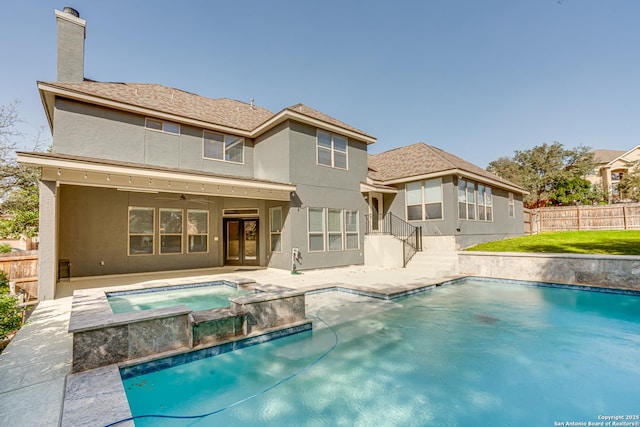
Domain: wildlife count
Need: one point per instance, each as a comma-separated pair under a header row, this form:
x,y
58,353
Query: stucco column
x,y
47,249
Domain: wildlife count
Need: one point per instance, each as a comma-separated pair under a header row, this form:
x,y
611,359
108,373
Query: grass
x,y
610,242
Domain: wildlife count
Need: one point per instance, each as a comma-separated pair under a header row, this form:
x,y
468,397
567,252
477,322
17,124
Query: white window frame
x,y
423,202
335,233
163,126
485,203
348,213
463,198
512,206
332,150
151,235
205,140
163,233
197,233
316,233
275,230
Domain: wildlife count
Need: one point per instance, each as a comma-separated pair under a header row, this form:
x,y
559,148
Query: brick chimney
x,y
71,33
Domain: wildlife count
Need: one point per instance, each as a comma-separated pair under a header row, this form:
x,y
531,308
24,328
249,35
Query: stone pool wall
x,y
102,338
272,310
605,271
123,337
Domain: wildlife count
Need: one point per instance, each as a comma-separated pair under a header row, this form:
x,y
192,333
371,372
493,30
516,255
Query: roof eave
x,y
373,187
287,114
48,103
50,91
460,173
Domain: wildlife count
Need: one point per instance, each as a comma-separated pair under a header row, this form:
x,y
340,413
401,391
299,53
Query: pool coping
x,y
80,388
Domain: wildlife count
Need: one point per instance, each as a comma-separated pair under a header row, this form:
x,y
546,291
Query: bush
x,y
10,313
10,316
5,248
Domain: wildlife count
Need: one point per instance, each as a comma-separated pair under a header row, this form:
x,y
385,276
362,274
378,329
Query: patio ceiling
x,y
140,178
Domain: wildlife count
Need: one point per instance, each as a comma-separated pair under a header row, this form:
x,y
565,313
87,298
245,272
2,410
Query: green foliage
x,y
576,191
630,184
23,222
609,242
18,183
5,248
551,174
10,316
10,313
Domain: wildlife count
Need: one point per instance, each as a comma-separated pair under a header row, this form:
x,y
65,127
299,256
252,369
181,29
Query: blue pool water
x,y
197,297
470,354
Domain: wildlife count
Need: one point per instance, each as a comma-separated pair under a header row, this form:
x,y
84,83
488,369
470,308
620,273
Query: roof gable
x,y
605,156
315,114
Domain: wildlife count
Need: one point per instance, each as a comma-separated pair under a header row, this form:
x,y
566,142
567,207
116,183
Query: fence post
x,y
624,216
579,218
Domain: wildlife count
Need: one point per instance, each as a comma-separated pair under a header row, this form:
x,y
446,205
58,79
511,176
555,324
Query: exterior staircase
x,y
439,257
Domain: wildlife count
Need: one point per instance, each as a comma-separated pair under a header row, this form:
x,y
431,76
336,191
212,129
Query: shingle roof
x,y
218,111
605,156
421,159
310,112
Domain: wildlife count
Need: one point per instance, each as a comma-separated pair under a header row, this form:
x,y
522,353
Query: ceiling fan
x,y
183,198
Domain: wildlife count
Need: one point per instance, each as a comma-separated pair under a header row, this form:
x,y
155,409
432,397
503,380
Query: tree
x,y
18,183
551,174
629,185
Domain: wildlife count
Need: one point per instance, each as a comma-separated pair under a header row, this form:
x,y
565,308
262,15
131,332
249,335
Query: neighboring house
x,y
143,177
445,195
612,166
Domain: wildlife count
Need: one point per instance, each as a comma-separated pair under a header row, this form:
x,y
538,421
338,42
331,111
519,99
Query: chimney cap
x,y
71,11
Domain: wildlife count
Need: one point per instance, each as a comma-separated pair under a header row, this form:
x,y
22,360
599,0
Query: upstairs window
x,y
227,148
162,126
331,150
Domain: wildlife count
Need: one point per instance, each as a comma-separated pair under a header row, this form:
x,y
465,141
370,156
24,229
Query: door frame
x,y
241,241
375,222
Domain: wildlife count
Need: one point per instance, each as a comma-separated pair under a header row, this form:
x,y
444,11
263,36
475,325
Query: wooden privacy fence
x,y
22,269
573,218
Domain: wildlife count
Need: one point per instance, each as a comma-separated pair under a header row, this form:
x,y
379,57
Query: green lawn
x,y
618,242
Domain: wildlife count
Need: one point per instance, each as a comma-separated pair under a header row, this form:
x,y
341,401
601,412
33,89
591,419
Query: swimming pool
x,y
469,354
200,296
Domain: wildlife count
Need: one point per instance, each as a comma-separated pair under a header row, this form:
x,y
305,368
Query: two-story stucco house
x,y
611,167
144,177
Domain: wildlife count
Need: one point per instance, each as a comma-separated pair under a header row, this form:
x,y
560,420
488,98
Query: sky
x,y
477,78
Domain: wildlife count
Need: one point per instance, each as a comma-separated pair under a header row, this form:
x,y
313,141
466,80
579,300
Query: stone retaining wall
x,y
606,271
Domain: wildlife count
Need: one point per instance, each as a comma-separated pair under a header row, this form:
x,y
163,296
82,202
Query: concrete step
x,y
435,264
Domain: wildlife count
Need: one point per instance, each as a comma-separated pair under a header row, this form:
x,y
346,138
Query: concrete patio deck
x,y
35,365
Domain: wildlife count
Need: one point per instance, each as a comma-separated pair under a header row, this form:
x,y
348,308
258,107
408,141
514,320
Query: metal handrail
x,y
390,224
